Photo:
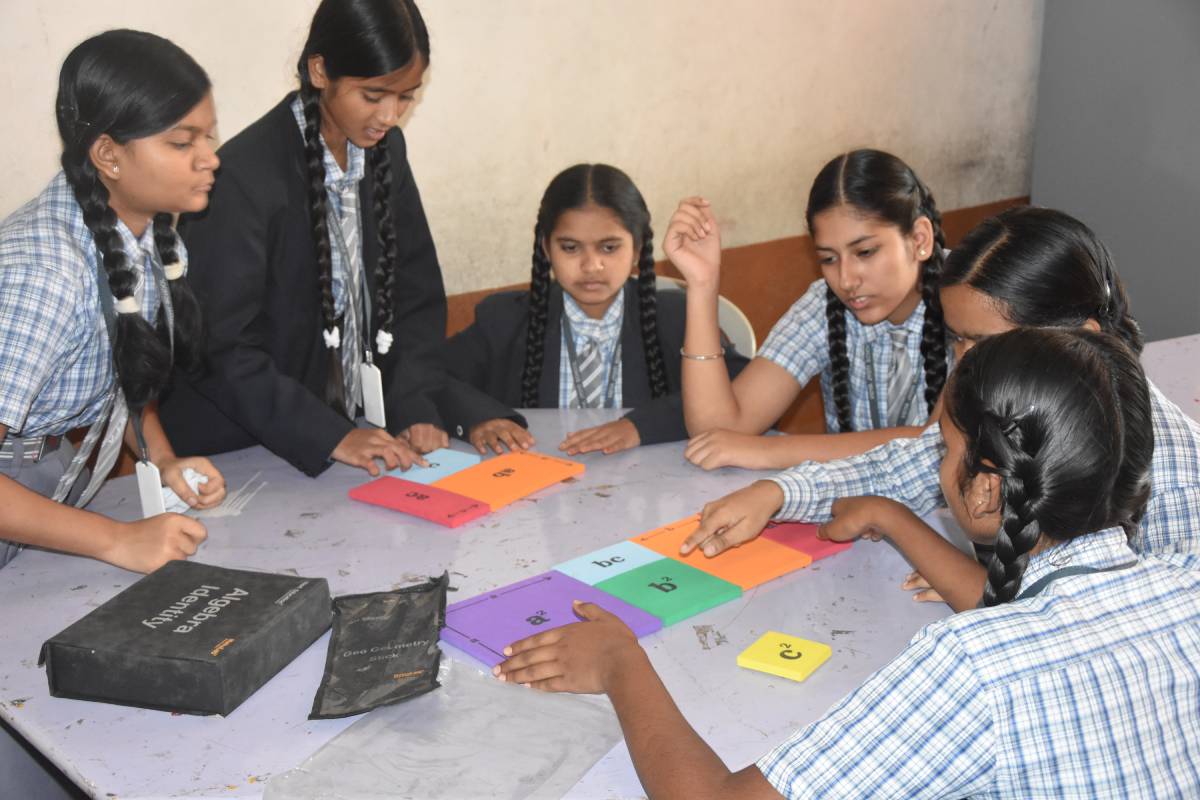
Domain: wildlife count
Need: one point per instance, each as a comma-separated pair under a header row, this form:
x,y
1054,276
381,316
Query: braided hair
x,y
605,187
129,85
880,185
1044,268
360,38
1063,417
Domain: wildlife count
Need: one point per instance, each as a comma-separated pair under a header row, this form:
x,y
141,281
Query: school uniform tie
x,y
902,381
352,340
591,375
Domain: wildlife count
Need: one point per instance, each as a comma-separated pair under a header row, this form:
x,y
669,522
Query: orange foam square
x,y
509,477
754,563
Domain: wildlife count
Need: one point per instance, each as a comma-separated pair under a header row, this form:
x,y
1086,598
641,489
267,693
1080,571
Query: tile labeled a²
x,y
509,477
670,590
803,537
786,656
484,625
443,463
426,502
607,562
749,565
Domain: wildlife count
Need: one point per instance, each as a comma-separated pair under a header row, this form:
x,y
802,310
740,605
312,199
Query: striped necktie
x,y
902,381
591,374
352,264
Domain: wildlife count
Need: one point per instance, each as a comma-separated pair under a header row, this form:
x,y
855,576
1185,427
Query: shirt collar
x,y
336,179
602,330
1104,549
137,248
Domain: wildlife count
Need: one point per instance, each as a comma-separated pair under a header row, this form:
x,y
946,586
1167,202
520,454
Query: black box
x,y
188,637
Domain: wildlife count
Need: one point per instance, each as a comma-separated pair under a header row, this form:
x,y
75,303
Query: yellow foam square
x,y
786,656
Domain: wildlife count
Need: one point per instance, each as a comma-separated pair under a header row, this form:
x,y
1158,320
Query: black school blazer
x,y
253,267
489,356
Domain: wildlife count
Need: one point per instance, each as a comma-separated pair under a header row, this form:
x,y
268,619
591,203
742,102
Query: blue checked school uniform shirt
x,y
337,181
906,470
55,355
799,343
1091,688
606,331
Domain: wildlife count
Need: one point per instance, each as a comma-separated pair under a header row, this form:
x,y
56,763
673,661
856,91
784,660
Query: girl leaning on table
x,y
1077,677
589,333
1025,267
95,307
870,328
316,270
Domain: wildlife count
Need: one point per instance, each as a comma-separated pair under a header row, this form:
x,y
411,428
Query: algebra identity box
x,y
188,637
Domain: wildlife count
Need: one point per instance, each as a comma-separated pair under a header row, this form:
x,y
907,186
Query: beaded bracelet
x,y
702,358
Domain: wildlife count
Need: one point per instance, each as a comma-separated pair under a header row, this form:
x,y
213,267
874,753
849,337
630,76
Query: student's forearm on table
x,y
957,577
670,757
29,518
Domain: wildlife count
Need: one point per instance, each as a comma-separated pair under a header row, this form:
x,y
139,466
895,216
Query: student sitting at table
x,y
1025,267
871,327
317,272
95,306
593,337
1077,677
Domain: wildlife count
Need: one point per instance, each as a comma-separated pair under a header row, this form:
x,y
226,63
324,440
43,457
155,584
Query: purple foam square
x,y
484,625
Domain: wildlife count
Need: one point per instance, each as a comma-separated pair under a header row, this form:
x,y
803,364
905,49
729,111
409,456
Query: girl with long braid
x,y
871,328
1076,678
321,286
1024,267
95,307
585,335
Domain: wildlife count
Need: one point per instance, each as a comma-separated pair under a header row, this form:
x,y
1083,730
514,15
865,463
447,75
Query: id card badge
x,y
150,489
372,392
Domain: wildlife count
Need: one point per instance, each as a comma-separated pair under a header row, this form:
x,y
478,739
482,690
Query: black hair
x,y
1044,268
1063,417
129,85
357,38
573,188
880,185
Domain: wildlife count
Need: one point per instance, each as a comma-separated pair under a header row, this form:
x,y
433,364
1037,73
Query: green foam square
x,y
670,589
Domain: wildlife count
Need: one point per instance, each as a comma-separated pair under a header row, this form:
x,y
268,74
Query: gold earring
x,y
921,254
116,171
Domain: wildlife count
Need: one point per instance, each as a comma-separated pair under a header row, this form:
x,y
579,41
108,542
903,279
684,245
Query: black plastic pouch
x,y
384,649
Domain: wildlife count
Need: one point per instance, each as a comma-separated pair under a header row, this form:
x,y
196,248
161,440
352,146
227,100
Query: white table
x,y
851,601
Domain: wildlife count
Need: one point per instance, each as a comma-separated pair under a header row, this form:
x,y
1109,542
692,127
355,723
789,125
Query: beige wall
x,y
741,101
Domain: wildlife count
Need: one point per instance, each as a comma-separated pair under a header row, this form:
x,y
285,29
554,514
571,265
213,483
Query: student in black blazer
x,y
275,261
622,339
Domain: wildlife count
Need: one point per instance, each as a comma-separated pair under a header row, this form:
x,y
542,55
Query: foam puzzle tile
x,y
607,562
785,656
443,463
509,477
670,589
427,502
803,537
484,625
749,565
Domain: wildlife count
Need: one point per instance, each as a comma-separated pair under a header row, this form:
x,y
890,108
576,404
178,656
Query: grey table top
x,y
278,520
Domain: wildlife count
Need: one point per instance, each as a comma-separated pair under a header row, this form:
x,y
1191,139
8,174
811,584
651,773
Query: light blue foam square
x,y
607,562
442,464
